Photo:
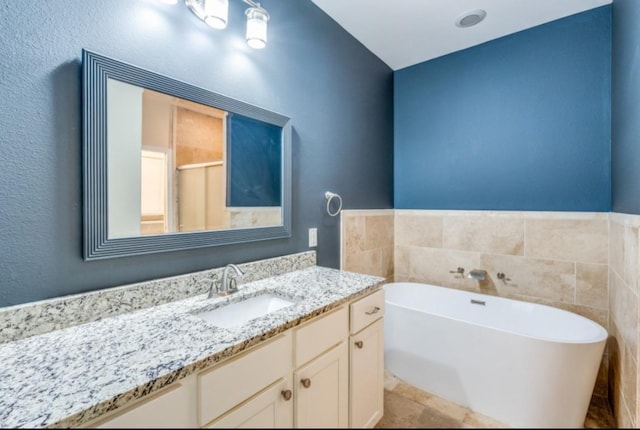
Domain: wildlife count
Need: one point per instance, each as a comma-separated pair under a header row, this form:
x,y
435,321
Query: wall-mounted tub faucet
x,y
478,275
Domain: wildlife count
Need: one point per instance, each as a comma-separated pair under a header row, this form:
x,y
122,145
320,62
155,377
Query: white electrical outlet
x,y
313,237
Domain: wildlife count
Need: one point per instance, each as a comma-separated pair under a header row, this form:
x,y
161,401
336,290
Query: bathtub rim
x,y
602,336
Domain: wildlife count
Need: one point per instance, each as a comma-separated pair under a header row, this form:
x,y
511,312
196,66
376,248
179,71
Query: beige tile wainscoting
x,y
584,262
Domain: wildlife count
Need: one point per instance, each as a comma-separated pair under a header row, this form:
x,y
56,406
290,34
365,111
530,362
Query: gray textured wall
x,y
337,93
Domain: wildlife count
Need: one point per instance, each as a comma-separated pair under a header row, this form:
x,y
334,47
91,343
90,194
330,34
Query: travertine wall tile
x,y
401,278
435,265
367,242
626,420
402,260
585,241
629,384
482,233
418,230
624,270
591,285
636,412
631,257
624,311
365,262
549,279
614,350
353,228
616,248
378,231
601,316
386,261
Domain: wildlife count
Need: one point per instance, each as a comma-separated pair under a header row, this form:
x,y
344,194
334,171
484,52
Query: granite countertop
x,y
70,376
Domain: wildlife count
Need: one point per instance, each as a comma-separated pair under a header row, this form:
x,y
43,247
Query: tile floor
x,y
406,406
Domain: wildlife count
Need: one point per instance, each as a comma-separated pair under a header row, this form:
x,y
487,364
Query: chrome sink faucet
x,y
228,285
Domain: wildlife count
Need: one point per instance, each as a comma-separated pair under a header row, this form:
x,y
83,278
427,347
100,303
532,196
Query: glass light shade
x,y
216,13
257,27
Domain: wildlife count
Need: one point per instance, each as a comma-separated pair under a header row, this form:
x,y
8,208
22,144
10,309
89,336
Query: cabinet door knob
x,y
306,382
286,394
359,344
373,311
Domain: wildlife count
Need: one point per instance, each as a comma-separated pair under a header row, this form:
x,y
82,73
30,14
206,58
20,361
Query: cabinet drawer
x,y
366,310
321,334
170,408
223,387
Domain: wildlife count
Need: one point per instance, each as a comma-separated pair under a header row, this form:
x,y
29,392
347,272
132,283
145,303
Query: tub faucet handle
x,y
459,270
502,277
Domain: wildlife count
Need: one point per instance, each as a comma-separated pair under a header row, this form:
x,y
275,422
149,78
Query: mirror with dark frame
x,y
170,166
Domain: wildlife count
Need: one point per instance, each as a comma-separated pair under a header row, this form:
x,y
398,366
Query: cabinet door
x,y
321,390
366,388
271,408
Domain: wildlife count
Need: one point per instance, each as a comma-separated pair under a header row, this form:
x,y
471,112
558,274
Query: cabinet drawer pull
x,y
359,344
306,382
373,311
286,394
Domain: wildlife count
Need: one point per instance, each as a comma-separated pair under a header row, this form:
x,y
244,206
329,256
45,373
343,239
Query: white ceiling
x,y
406,32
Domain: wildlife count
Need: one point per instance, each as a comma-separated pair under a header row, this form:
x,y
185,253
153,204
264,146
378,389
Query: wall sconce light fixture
x,y
216,13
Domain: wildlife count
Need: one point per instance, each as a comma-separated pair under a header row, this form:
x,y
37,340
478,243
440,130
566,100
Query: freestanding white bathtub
x,y
523,364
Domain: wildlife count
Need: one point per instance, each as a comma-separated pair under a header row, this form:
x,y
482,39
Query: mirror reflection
x,y
175,165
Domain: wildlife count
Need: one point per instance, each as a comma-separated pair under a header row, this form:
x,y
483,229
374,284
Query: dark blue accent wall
x,y
625,107
337,93
518,123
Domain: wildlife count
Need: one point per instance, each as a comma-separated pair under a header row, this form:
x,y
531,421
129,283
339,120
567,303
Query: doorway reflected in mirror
x,y
188,178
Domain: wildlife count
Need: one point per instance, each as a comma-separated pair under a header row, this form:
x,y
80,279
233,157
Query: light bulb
x,y
216,13
257,19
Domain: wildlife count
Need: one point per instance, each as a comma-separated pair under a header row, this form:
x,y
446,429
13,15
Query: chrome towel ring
x,y
330,196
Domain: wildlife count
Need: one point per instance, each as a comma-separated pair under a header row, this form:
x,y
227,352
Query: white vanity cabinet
x,y
327,372
366,361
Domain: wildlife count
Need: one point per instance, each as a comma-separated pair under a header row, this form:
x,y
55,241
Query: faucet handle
x,y
503,277
214,285
233,285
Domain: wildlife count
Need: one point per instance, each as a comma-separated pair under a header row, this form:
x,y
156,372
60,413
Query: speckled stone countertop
x,y
70,376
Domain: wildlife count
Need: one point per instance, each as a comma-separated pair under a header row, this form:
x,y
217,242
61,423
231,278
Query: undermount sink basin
x,y
236,314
